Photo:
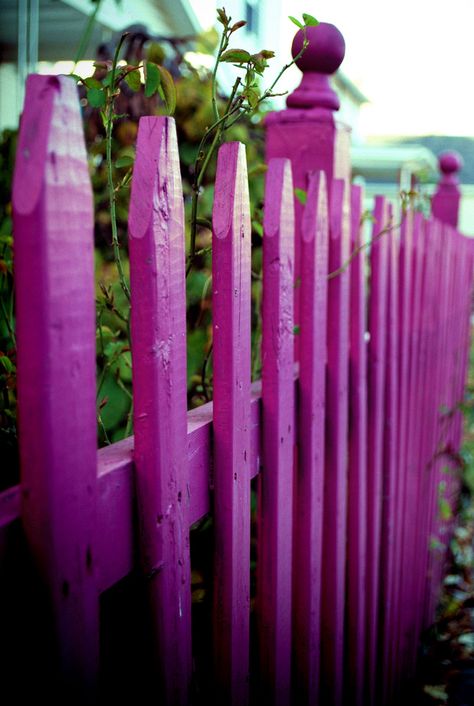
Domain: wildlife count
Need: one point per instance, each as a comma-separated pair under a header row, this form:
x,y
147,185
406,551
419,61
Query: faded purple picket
x,y
158,342
278,412
355,445
335,481
307,574
231,424
357,483
55,330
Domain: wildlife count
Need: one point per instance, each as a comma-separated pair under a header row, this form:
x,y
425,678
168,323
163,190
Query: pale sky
x,y
413,59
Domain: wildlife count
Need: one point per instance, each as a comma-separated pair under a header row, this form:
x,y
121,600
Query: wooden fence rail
x,y
353,431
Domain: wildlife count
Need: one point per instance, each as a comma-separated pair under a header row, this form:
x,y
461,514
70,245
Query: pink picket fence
x,y
352,430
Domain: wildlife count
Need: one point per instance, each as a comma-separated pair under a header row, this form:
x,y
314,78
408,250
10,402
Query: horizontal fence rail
x,y
353,432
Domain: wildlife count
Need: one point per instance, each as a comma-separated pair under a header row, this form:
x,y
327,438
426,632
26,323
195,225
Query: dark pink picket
x,y
278,400
390,466
231,424
377,316
55,319
158,328
335,481
310,473
357,484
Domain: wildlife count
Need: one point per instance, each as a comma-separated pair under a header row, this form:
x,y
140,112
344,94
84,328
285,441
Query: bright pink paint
x,y
55,310
376,358
307,570
278,413
231,356
357,483
307,132
335,481
445,202
158,327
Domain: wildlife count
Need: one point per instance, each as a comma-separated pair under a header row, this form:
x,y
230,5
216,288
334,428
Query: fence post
x,y
55,310
307,132
446,200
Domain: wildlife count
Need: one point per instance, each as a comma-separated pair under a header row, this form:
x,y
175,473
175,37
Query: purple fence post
x,y
357,484
307,132
377,312
446,200
158,327
231,335
307,570
335,481
276,480
55,308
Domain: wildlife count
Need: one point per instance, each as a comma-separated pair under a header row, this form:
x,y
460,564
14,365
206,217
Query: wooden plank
x,y
278,400
116,490
391,469
357,487
377,313
54,283
335,490
307,570
158,342
231,336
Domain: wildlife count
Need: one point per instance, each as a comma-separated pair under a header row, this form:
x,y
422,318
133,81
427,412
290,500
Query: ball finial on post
x,y
321,58
446,200
450,162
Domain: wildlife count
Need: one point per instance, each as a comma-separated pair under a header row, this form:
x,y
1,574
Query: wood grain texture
x,y
357,488
278,412
231,356
307,573
55,310
337,414
158,342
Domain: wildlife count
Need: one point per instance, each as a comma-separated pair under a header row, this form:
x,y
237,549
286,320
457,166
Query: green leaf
x,y
235,56
96,97
257,227
445,509
309,20
169,89
296,330
222,17
77,79
92,83
7,364
301,195
133,80
253,96
152,79
296,22
125,161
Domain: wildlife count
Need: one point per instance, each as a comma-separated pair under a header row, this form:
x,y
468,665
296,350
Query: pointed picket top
x,y
231,424
278,399
158,328
55,320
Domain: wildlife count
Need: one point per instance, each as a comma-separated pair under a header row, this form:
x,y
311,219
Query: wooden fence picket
x,y
307,574
376,360
158,328
55,308
231,424
278,409
357,484
391,469
335,482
